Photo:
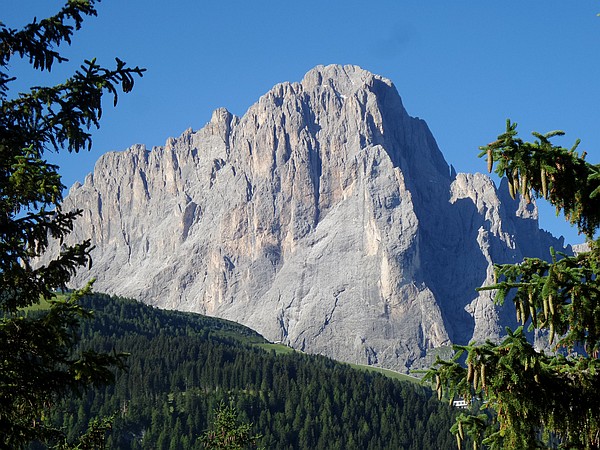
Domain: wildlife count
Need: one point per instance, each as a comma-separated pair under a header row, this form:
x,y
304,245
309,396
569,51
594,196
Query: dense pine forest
x,y
181,366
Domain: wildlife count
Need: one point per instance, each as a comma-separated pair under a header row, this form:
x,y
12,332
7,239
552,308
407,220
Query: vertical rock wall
x,y
326,217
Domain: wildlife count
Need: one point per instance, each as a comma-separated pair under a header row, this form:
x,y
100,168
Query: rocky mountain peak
x,y
326,217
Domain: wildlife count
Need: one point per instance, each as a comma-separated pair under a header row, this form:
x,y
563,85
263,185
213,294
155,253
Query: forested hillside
x,y
182,365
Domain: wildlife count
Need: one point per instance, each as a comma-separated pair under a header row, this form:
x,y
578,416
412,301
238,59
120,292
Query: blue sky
x,y
462,66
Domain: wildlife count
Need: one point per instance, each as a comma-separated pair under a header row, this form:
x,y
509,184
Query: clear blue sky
x,y
463,66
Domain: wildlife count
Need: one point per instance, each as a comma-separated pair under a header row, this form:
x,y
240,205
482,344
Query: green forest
x,y
182,365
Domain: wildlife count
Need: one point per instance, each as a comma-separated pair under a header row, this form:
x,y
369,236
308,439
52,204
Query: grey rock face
x,y
326,217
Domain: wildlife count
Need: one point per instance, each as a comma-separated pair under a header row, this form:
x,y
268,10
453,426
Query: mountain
x,y
326,218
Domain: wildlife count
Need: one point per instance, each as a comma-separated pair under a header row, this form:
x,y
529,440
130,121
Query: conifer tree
x,y
227,433
37,366
537,398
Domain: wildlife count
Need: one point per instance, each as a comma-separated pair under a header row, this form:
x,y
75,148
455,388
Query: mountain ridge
x,y
325,217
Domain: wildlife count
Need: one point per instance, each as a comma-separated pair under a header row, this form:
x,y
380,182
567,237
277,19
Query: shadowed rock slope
x,y
326,217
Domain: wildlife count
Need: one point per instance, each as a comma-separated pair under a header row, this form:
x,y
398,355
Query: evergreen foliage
x,y
37,366
227,433
539,398
183,366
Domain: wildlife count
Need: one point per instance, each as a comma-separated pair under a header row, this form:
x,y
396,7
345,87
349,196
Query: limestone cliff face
x,y
325,217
